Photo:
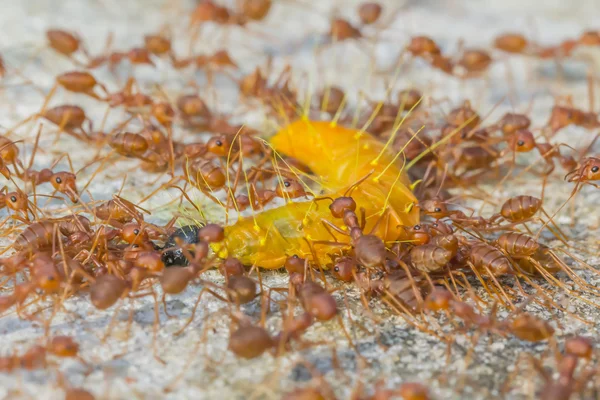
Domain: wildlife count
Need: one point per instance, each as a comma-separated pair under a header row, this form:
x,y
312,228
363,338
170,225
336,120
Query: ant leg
x,y
47,99
586,287
164,303
547,298
166,185
340,322
493,277
119,200
563,237
493,292
155,327
384,214
191,318
63,155
35,147
329,225
397,305
112,322
316,258
193,356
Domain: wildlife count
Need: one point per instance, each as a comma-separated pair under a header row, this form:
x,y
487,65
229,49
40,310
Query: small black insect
x,y
172,254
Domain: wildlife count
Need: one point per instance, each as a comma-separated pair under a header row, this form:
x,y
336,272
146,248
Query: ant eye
x,y
13,199
134,246
520,143
136,231
417,227
58,180
437,209
287,184
295,256
337,269
595,168
219,143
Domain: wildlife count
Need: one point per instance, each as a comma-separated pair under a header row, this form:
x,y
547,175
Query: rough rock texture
x,y
196,364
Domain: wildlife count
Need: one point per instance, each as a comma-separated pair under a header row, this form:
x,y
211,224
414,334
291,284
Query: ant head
x,y
435,208
441,228
439,299
16,201
342,30
418,234
369,12
48,280
256,9
420,45
343,269
219,145
592,169
341,205
133,233
511,42
523,141
290,188
295,264
64,182
64,346
211,233
232,267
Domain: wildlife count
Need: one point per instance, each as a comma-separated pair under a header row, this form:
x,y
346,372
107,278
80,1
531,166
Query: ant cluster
x,y
325,202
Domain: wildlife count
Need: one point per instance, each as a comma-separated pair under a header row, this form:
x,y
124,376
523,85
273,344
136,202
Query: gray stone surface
x,y
124,366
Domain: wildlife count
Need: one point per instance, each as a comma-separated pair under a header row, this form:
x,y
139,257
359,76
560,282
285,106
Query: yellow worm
x,y
339,157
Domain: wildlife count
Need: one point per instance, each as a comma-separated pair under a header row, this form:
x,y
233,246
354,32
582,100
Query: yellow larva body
x,y
339,157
